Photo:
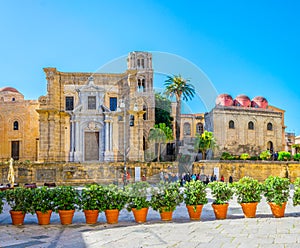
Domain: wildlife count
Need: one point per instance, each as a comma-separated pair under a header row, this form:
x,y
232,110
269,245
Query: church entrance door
x,y
91,146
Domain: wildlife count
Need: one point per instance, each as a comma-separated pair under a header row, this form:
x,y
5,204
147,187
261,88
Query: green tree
x,y
205,142
158,136
163,110
182,90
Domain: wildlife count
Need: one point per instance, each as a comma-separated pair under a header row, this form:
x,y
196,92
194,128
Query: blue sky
x,y
244,47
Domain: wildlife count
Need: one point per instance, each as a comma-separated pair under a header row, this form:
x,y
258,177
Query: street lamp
x,y
119,109
122,107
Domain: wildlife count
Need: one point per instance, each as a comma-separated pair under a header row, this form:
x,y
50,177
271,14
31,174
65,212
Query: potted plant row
x,y
138,197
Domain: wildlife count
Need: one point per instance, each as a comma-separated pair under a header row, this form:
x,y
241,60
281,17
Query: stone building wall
x,y
240,139
18,124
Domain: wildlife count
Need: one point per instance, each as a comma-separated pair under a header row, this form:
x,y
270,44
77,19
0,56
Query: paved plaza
x,y
235,231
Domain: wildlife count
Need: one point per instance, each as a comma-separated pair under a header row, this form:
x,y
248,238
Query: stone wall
x,y
104,173
81,174
259,170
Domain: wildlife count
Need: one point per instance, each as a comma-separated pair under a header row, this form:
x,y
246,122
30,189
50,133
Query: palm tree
x,y
180,88
204,142
158,136
167,130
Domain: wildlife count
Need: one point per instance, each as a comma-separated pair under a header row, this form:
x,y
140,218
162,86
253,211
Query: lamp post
x,y
123,107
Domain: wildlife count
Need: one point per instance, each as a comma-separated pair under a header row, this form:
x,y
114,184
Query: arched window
x,y
269,126
199,128
187,128
231,124
143,63
16,125
138,63
250,125
141,85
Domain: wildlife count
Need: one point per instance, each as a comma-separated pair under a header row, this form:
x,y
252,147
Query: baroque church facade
x,y
97,117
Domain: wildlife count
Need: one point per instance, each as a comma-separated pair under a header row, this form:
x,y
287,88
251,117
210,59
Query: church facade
x,y
242,125
97,117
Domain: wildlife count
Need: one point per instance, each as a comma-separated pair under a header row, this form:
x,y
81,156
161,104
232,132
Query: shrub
x,y
65,198
137,195
91,197
166,196
284,156
19,199
226,156
244,156
195,193
265,155
247,190
276,189
114,198
42,199
297,157
221,191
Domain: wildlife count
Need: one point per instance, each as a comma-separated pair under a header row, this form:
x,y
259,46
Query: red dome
x,y
259,102
11,89
242,100
224,100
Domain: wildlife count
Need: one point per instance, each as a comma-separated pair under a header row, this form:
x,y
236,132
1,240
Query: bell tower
x,y
142,98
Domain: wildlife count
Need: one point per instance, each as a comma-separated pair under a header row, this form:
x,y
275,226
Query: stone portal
x,y
91,146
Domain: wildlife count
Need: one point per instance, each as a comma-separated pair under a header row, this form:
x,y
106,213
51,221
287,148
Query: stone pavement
x,y
235,231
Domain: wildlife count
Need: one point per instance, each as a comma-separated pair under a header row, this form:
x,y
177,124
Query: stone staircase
x,y
187,156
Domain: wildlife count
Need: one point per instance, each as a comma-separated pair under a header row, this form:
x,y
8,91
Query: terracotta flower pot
x,y
66,216
249,209
277,210
166,215
112,216
91,216
140,215
194,215
220,211
43,218
17,217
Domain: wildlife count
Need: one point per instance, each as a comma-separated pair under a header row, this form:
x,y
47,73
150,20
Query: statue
x,y
11,173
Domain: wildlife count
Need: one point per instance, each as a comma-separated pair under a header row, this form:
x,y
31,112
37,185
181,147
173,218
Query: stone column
x,y
110,136
107,129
